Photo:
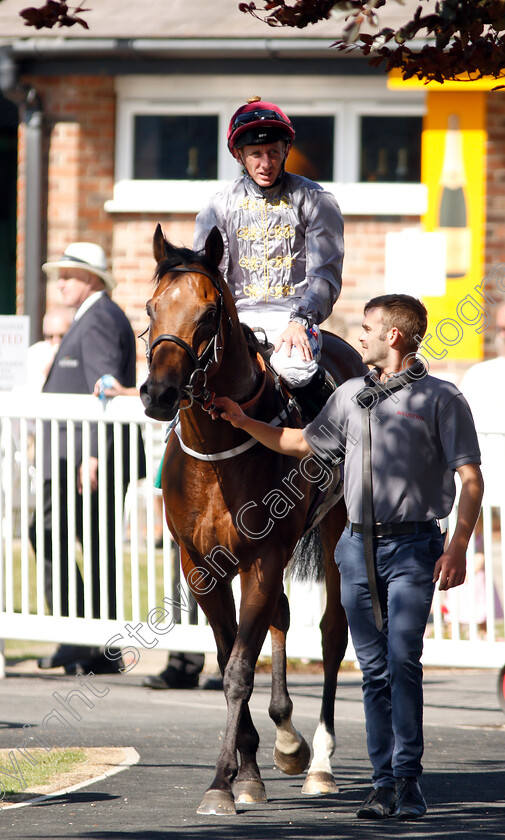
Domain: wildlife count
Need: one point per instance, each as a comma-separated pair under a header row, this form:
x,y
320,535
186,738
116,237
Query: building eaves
x,y
181,19
174,48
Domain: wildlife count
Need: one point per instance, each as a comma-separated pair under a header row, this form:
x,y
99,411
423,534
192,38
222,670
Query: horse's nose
x,y
145,395
159,400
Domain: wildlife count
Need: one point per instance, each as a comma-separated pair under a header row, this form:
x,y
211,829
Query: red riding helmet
x,y
258,122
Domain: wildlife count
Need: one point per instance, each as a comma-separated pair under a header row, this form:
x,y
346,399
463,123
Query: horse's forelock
x,y
184,258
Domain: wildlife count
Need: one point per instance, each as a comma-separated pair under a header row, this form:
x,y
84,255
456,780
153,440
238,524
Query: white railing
x,y
466,627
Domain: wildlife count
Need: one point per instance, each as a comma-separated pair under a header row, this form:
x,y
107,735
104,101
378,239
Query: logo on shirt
x,y
67,362
410,415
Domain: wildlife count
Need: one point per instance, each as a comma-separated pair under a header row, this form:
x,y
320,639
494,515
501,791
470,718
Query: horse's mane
x,y
185,258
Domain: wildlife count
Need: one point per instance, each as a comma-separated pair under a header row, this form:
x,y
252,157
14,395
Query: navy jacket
x,y
101,341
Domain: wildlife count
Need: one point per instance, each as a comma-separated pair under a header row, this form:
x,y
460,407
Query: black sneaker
x,y
378,805
67,656
410,802
171,678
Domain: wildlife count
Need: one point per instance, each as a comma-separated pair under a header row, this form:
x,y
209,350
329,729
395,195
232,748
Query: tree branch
x,y
52,13
462,36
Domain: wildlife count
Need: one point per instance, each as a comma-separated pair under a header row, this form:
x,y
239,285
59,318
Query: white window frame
x,y
344,98
353,123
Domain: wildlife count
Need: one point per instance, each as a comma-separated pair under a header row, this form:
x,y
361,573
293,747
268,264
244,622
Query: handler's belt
x,y
392,529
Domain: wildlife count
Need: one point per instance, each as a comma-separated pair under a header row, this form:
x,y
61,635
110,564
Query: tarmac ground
x,y
177,735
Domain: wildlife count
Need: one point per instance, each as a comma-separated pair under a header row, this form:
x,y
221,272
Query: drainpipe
x,y
31,114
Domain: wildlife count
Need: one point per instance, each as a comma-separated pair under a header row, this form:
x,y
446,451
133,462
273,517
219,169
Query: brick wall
x,y
79,127
364,268
495,203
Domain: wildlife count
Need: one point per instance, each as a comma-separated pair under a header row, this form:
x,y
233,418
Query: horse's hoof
x,y
218,802
250,791
319,782
293,763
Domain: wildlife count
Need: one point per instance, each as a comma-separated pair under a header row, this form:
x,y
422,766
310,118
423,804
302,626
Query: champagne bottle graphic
x,y
402,166
452,213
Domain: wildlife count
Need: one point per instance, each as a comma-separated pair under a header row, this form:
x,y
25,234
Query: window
x,y
351,134
174,147
390,148
185,147
312,154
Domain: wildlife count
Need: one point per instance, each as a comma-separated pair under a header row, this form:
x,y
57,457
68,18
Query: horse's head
x,y
186,316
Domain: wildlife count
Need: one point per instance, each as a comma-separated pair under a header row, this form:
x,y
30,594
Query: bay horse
x,y
235,507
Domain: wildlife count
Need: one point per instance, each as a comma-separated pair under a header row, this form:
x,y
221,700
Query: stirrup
x,y
266,348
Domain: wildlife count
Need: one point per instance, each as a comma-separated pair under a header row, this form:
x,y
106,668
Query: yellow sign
x,y
463,84
453,169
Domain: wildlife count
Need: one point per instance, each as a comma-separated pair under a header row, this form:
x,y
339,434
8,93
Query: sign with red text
x,y
14,339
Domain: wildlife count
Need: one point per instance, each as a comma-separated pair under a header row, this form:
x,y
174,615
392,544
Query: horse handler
x,y
404,434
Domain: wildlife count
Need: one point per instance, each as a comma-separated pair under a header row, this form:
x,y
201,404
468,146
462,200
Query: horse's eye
x,y
209,317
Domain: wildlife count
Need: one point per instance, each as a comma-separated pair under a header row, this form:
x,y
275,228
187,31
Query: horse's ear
x,y
214,247
159,244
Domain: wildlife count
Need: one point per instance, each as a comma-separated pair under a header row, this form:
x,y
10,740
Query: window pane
x,y
312,152
175,147
391,149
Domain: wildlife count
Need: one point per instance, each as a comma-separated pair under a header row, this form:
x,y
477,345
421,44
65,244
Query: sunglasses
x,y
254,116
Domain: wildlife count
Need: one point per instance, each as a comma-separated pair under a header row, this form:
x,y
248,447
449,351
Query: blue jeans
x,y
390,659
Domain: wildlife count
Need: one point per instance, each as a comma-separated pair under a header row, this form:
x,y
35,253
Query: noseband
x,y
202,362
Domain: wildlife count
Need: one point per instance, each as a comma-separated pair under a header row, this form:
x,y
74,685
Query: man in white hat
x,y
100,340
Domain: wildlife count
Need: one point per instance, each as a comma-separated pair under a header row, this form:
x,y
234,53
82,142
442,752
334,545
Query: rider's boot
x,y
313,396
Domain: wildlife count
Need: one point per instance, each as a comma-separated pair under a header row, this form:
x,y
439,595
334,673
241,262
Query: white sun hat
x,y
85,255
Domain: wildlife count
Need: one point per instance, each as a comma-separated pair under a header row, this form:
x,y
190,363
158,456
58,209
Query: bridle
x,y
201,363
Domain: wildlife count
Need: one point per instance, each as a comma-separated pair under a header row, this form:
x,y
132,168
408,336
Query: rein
x,y
201,363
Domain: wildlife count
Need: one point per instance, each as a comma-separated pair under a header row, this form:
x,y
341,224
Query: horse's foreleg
x,y
291,751
320,778
219,608
256,609
248,786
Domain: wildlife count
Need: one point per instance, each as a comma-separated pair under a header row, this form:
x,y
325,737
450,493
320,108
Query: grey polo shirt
x,y
420,435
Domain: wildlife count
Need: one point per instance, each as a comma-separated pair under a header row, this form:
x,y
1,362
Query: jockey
x,y
283,239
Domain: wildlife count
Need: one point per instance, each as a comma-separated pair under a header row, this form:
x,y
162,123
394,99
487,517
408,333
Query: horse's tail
x,y
307,561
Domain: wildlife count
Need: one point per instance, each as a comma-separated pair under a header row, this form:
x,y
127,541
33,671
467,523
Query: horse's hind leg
x,y
334,634
291,751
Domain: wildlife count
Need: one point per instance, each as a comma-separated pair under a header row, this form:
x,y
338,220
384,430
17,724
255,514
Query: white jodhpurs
x,y
293,370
